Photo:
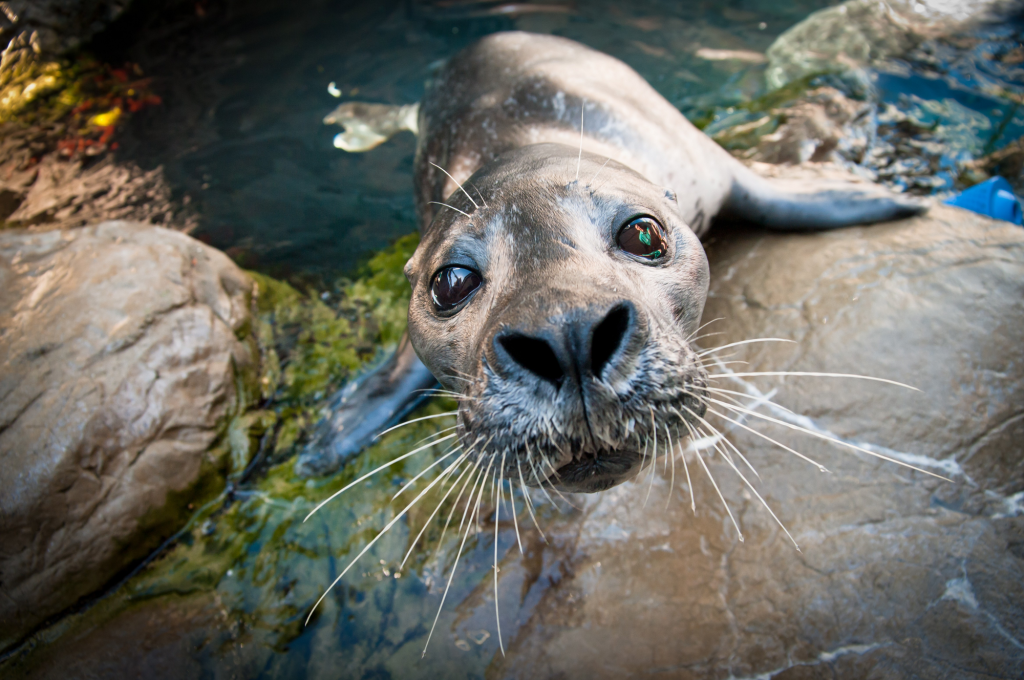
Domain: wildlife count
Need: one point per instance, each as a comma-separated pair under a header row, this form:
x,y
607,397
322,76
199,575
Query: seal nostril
x,y
535,355
607,338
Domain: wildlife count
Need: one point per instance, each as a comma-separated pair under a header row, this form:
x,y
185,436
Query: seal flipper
x,y
370,125
813,205
365,408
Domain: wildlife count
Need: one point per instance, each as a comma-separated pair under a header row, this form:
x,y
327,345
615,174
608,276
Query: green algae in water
x,y
310,348
256,562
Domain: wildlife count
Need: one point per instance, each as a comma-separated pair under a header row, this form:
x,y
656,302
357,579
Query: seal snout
x,y
586,344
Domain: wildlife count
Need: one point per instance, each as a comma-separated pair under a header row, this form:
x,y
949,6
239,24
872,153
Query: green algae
x,y
309,348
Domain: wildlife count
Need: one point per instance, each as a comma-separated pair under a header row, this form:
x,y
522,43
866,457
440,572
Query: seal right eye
x,y
644,238
452,285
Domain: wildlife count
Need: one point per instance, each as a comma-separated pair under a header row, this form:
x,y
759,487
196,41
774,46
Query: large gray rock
x,y
900,575
122,351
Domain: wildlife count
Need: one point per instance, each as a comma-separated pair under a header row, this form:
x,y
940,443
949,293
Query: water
x,y
245,86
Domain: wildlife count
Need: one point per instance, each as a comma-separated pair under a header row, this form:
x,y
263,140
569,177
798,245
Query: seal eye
x,y
452,285
644,238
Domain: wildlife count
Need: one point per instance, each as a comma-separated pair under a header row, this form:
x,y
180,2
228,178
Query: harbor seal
x,y
560,279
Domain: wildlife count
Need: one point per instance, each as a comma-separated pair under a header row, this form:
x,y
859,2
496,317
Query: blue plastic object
x,y
992,198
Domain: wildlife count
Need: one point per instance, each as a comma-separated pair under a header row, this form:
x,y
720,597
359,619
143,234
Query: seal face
x,y
571,347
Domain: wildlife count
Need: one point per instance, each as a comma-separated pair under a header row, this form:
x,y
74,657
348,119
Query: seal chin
x,y
593,472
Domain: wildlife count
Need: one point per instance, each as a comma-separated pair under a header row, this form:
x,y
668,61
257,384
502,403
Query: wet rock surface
x,y
125,349
899,574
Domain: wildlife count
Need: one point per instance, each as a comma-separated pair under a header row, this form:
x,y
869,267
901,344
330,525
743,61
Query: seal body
x,y
559,278
514,90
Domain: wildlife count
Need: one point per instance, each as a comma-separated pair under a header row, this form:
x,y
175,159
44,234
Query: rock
x,y
50,27
823,125
125,349
900,574
860,32
66,194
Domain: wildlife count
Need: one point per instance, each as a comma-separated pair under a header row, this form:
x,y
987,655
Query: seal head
x,y
557,296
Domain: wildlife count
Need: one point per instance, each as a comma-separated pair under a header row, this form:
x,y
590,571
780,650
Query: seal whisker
x,y
415,420
433,392
451,575
820,467
763,501
479,193
583,110
654,462
459,376
450,207
481,482
371,544
643,456
729,444
555,488
760,399
458,185
591,182
471,478
742,342
682,455
438,508
727,363
813,375
425,470
671,456
435,435
497,511
514,512
706,335
700,459
529,503
826,438
373,472
690,338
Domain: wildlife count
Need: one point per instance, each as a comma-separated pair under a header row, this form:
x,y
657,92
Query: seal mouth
x,y
591,472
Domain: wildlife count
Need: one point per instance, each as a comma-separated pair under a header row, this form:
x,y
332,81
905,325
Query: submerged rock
x,y
125,349
860,32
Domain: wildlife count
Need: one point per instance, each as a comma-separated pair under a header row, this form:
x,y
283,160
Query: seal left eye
x,y
452,285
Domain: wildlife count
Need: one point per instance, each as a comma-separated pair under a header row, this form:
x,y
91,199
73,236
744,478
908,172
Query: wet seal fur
x,y
571,355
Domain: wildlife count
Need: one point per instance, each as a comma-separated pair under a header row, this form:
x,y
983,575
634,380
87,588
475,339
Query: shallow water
x,y
245,87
